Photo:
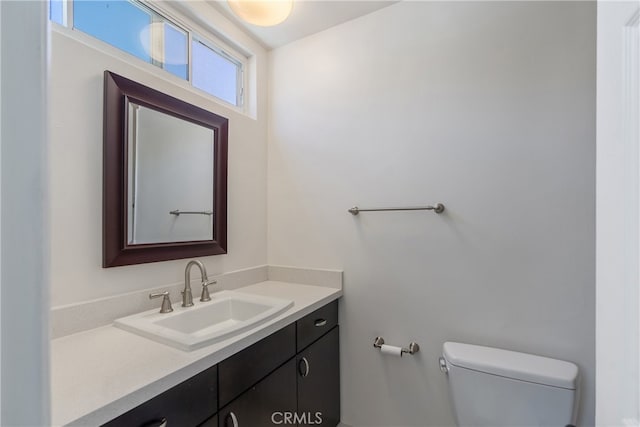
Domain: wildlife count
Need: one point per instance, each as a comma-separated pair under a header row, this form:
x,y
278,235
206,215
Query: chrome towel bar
x,y
178,212
437,208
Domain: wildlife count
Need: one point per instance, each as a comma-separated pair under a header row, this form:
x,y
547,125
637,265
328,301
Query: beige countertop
x,y
101,373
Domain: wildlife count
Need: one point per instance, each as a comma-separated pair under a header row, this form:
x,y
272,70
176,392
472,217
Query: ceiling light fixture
x,y
263,13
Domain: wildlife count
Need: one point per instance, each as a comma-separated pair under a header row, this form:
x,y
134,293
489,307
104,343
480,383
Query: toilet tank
x,y
490,387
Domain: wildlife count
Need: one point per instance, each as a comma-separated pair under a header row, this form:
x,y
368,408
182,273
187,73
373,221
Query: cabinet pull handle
x,y
233,419
303,372
320,322
156,423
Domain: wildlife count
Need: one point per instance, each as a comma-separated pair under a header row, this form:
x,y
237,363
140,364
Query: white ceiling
x,y
308,17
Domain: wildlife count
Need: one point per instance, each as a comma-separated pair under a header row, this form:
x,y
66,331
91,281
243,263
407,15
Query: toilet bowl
x,y
491,387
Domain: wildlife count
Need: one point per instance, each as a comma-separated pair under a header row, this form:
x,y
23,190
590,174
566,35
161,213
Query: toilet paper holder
x,y
412,349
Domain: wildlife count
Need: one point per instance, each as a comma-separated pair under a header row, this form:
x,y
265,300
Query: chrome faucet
x,y
187,297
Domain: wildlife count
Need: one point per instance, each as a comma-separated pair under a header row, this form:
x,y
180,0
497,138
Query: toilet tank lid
x,y
511,364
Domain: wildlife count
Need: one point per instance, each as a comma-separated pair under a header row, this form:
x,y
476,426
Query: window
x,y
56,11
176,50
207,62
135,28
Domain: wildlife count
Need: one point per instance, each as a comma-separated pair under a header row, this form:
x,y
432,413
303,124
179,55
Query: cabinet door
x,y
211,422
265,402
319,381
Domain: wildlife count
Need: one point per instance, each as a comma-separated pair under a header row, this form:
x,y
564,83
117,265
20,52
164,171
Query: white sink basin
x,y
187,328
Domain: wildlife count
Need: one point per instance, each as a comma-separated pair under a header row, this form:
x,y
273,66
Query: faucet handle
x,y
166,302
205,290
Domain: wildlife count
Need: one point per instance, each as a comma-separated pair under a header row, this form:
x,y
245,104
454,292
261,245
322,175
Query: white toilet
x,y
490,387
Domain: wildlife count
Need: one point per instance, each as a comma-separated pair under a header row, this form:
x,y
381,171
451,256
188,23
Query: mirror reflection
x,y
170,170
165,176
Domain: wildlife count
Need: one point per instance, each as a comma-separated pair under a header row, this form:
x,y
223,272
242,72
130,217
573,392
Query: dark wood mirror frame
x,y
118,92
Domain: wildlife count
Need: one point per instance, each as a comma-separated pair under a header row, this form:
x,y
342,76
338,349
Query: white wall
x,y
24,337
488,108
75,179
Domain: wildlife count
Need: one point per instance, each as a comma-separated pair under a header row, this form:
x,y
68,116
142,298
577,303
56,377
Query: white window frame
x,y
194,32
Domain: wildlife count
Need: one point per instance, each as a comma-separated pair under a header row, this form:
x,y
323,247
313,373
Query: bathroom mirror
x,y
165,176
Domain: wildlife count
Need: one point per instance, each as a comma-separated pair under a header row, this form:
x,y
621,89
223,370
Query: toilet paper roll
x,y
391,349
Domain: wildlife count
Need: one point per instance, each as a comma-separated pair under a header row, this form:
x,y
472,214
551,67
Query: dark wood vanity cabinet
x,y
291,377
305,391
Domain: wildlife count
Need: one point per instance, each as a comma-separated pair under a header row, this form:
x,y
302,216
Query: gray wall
x,y
24,253
486,107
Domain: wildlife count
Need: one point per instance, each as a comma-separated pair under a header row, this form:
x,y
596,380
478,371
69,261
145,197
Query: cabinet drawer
x,y
316,324
244,369
187,404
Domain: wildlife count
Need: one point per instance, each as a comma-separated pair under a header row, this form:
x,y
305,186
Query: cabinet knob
x,y
303,367
233,418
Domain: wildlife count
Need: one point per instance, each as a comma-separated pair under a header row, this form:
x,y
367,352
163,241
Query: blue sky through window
x,y
56,11
175,46
132,28
118,23
214,73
